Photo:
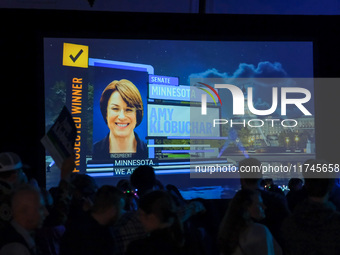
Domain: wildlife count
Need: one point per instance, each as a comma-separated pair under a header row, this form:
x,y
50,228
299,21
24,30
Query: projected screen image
x,y
119,117
136,102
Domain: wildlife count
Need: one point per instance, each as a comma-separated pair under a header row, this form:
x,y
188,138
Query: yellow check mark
x,y
75,55
74,59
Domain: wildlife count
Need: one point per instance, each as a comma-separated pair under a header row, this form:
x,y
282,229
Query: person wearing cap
x,y
25,212
11,176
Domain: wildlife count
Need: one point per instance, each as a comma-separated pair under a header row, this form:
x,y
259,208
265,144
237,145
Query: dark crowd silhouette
x,y
142,216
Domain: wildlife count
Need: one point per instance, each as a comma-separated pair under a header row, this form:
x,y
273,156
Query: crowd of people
x,y
141,216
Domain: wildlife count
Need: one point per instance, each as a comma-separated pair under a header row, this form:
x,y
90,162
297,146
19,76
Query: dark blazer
x,y
10,235
101,149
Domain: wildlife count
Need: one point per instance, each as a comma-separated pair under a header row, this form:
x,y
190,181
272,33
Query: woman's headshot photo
x,y
122,109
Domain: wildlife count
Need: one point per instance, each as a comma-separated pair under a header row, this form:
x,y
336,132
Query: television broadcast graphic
x,y
182,106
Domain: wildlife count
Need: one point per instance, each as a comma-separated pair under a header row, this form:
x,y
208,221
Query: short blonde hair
x,y
129,93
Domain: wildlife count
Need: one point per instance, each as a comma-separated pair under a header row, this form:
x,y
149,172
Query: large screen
x,y
164,103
